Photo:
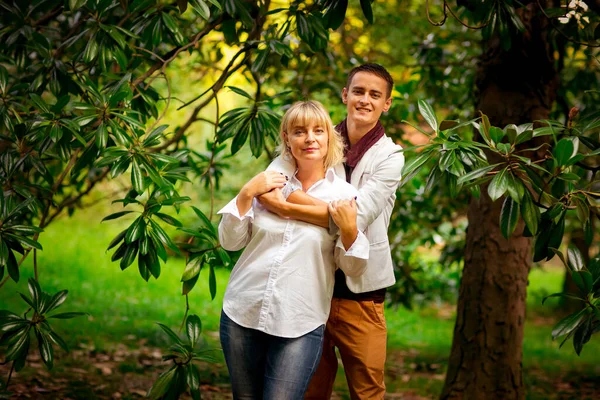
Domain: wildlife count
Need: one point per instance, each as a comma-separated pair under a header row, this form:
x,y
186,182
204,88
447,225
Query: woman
x,y
279,293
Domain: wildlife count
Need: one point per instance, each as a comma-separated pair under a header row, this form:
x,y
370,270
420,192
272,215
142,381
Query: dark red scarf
x,y
355,153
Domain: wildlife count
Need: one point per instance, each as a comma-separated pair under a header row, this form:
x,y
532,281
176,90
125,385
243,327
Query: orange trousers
x,y
358,330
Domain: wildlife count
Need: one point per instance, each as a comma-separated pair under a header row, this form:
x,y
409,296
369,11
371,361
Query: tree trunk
x,y
515,86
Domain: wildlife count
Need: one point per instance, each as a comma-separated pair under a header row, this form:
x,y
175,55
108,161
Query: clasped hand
x,y
264,182
344,213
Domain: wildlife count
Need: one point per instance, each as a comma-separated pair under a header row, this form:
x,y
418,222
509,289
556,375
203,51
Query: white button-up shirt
x,y
283,282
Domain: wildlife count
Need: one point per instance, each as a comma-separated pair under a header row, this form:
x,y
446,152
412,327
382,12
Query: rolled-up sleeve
x,y
234,229
354,260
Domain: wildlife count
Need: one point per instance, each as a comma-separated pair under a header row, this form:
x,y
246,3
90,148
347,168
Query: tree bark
x,y
515,86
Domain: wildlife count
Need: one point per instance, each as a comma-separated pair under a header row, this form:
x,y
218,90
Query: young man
x,y
356,324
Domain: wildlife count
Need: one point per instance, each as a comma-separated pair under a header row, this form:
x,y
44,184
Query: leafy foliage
x,y
17,330
183,374
559,186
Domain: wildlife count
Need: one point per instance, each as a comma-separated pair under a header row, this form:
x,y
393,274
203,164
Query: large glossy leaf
x,y
563,151
45,349
568,324
530,213
162,384
193,327
509,215
428,114
498,185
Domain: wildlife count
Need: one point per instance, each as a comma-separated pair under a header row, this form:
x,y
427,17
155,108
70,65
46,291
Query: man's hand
x,y
344,213
273,201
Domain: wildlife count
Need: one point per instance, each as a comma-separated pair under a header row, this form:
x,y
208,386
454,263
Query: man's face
x,y
366,99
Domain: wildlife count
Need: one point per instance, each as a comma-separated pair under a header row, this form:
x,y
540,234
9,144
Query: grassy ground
x,y
116,351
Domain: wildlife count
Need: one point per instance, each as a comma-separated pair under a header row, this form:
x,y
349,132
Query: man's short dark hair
x,y
374,69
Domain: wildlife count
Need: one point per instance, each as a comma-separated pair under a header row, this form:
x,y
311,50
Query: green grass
x,y
124,308
120,303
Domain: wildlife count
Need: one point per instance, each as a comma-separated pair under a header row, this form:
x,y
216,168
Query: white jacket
x,y
376,176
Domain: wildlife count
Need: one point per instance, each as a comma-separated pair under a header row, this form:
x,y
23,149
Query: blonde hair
x,y
303,113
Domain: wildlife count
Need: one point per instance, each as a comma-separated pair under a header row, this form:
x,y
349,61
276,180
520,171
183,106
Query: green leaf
x,y
162,384
25,229
3,79
91,50
496,134
193,328
163,237
509,217
12,266
24,241
563,151
3,253
20,345
143,269
168,219
36,292
45,348
192,269
76,4
367,10
225,259
10,321
131,121
152,262
117,240
192,377
485,129
68,315
216,4
136,230
594,268
205,221
201,8
241,92
58,340
174,337
575,259
530,213
428,114
171,24
115,216
567,295
567,324
582,335
137,179
128,256
56,301
212,283
498,185
189,285
335,13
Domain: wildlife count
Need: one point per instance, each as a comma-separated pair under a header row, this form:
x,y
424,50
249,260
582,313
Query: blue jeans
x,y
262,366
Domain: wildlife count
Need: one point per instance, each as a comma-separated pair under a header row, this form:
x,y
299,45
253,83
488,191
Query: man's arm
x,y
299,206
374,194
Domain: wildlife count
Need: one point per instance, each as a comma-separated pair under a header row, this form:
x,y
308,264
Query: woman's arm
x,y
234,228
260,184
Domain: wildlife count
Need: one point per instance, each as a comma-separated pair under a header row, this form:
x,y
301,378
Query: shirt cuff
x,y
359,249
289,188
232,209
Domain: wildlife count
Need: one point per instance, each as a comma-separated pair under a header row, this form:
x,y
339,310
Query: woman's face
x,y
307,143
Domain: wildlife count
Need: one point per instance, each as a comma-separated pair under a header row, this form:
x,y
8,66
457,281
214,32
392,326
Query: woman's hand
x,y
344,213
263,183
260,184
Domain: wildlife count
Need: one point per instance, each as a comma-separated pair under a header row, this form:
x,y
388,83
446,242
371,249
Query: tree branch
x,y
171,55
